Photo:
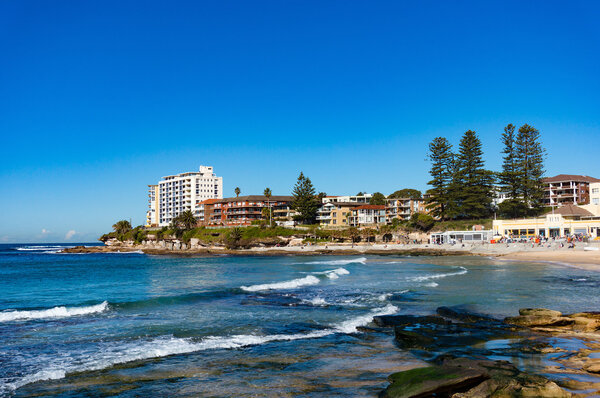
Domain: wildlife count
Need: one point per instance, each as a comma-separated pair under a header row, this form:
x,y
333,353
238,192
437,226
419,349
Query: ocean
x,y
130,324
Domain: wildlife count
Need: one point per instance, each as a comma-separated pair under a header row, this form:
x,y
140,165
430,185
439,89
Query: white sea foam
x,y
462,271
316,301
361,260
350,325
108,356
383,297
306,281
431,284
335,273
56,312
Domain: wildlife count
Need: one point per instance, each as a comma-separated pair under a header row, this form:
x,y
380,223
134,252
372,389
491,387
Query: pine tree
x,y
530,163
441,157
510,177
304,201
472,184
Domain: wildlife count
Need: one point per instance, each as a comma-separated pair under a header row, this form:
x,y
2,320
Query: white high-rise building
x,y
178,193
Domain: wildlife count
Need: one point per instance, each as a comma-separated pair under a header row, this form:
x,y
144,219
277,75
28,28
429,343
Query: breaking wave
x,y
56,312
361,260
306,281
106,357
462,271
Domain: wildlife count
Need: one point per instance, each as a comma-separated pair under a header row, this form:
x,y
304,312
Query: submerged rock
x,y
407,320
466,378
463,315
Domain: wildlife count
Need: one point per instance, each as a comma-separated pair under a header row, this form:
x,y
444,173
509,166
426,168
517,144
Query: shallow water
x,y
138,325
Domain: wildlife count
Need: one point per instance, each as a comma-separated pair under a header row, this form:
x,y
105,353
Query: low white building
x,y
440,238
175,194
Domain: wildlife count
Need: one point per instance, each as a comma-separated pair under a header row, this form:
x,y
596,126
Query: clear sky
x,y
100,98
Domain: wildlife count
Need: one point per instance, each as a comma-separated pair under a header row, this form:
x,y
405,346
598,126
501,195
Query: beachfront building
x,y
204,211
152,212
367,215
243,210
181,192
403,208
363,198
564,221
440,238
335,214
568,189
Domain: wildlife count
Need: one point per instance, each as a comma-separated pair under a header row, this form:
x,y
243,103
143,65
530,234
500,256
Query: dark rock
x,y
432,381
408,339
463,315
408,320
466,378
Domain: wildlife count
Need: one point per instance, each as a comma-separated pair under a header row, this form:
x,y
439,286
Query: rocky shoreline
x,y
310,251
458,345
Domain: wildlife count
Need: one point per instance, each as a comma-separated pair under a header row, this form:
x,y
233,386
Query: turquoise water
x,y
138,325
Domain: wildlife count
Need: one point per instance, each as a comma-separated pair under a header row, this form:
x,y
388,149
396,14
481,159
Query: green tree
x,y
233,238
237,191
304,201
509,178
267,194
422,222
472,184
377,199
442,168
122,227
186,220
353,233
406,193
530,165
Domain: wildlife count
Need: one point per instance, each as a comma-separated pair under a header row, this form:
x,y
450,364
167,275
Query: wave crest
x,y
306,281
361,260
55,312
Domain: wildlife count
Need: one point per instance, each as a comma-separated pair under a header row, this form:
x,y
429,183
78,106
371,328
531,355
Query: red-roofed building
x,y
568,189
367,215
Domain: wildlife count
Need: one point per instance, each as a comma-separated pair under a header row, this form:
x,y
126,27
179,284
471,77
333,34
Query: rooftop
x,y
571,210
571,177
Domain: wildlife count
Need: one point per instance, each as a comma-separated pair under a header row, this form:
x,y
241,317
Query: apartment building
x,y
568,189
181,192
367,215
403,208
152,213
364,198
243,210
205,210
335,214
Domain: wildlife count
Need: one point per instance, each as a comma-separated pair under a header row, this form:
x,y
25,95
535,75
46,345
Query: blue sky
x,y
100,98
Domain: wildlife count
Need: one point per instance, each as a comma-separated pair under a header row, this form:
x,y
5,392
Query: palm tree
x,y
354,233
237,191
267,194
187,219
122,227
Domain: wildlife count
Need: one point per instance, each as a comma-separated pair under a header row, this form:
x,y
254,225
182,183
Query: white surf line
x,y
462,271
360,260
306,281
55,312
167,346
